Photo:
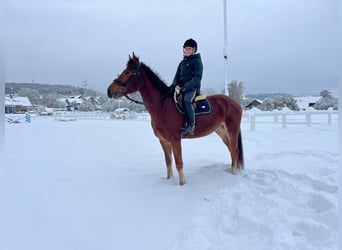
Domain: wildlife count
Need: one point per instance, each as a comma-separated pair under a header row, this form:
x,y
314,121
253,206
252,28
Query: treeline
x,y
48,95
46,89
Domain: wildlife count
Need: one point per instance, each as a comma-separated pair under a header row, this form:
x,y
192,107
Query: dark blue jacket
x,y
189,73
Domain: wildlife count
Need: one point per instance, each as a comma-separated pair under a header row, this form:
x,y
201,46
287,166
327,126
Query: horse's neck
x,y
148,92
151,101
152,98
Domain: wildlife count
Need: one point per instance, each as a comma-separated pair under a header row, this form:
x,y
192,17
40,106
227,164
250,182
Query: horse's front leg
x,y
177,153
167,148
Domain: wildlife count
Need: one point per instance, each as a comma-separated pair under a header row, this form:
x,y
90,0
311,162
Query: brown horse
x,y
224,119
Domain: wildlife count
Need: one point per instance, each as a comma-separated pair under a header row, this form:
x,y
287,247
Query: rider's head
x,y
190,43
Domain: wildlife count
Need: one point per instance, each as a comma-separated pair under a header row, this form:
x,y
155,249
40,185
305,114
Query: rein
x,y
132,100
124,88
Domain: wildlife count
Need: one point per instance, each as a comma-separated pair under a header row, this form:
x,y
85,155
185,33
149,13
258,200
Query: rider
x,y
188,81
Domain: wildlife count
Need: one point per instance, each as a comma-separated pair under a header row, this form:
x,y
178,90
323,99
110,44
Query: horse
x,y
166,121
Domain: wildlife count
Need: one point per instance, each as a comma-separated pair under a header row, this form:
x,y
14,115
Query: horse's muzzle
x,y
114,94
109,93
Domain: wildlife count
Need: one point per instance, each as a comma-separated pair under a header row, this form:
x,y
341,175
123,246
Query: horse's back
x,y
225,102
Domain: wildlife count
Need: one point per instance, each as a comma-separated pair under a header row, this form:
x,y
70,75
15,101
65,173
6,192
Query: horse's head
x,y
128,81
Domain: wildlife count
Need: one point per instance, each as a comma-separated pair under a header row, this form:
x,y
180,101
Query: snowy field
x,y
100,185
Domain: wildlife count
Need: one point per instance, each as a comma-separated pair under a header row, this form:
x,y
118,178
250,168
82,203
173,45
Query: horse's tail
x,y
240,157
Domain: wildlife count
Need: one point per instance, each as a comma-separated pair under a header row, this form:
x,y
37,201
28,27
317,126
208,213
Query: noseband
x,y
123,85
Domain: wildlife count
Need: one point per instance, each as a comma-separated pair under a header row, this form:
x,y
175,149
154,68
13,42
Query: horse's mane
x,y
159,84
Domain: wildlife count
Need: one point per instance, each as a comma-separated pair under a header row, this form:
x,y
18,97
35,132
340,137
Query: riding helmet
x,y
190,43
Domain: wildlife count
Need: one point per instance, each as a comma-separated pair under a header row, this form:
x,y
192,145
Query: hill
x,y
47,89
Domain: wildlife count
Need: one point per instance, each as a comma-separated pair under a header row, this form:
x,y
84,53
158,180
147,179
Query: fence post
x,y
253,122
284,120
329,118
308,119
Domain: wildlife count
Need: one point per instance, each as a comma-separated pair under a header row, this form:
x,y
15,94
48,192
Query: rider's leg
x,y
190,114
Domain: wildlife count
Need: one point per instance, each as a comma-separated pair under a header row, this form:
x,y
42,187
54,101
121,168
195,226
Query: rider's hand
x,y
183,90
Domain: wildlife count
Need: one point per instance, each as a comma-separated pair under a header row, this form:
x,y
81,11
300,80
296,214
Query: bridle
x,y
123,87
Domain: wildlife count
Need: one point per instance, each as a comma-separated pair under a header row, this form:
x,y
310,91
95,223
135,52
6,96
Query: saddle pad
x,y
202,107
201,104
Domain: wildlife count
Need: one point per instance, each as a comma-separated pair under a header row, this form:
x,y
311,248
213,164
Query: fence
x,y
98,115
286,118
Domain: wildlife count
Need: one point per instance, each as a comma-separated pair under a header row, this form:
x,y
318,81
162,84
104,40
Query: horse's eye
x,y
127,73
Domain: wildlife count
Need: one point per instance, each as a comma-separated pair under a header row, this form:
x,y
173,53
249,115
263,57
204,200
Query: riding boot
x,y
190,129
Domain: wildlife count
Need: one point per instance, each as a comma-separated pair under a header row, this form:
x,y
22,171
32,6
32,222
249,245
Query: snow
x,y
100,184
304,101
17,101
72,99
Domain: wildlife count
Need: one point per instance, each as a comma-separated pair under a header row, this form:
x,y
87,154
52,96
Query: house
x,y
253,103
17,104
72,102
305,102
78,102
120,113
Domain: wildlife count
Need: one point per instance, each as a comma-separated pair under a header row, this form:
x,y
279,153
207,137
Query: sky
x,y
273,46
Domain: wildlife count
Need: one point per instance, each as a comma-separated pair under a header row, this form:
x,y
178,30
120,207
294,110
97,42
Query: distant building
x,y
305,102
253,104
17,104
73,102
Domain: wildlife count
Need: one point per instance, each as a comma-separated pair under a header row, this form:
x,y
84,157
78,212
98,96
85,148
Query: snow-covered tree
x,y
32,94
326,101
208,91
235,90
279,103
325,93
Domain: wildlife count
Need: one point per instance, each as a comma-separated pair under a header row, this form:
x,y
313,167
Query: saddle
x,y
200,104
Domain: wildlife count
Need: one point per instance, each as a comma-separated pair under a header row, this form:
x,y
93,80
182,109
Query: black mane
x,y
159,84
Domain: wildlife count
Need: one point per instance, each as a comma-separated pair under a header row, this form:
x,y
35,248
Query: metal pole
x,y
225,53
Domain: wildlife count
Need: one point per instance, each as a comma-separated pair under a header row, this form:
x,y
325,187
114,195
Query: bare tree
x,y
235,90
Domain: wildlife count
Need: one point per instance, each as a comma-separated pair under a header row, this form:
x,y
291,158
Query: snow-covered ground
x,y
100,184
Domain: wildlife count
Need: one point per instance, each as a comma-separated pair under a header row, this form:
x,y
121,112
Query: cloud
x,y
272,45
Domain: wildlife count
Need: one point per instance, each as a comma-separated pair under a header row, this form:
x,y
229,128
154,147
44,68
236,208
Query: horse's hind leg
x,y
167,148
221,131
231,141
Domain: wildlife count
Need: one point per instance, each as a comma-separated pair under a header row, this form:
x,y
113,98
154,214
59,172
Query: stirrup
x,y
189,130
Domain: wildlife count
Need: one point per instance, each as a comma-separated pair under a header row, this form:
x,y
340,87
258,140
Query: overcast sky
x,y
273,45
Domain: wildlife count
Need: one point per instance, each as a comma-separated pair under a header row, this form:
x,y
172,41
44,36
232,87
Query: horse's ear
x,y
134,59
129,57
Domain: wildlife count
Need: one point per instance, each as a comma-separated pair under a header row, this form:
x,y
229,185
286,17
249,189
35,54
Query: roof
x,y
253,102
120,110
11,100
304,101
72,99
